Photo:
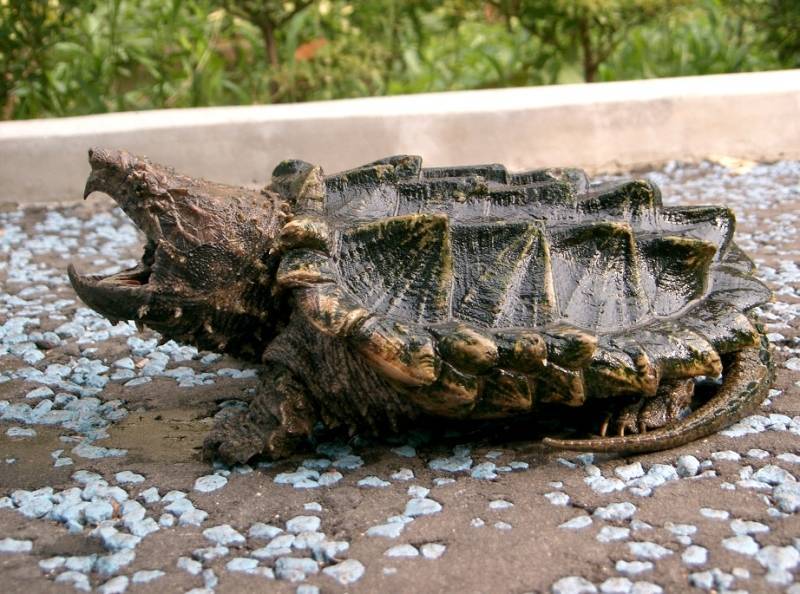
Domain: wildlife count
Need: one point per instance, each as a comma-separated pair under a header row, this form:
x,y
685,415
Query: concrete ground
x,y
102,487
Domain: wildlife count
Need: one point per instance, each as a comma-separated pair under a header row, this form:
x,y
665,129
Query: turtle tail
x,y
746,383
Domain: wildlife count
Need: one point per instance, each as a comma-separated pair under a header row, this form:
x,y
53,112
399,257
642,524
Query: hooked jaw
x,y
126,294
118,295
205,271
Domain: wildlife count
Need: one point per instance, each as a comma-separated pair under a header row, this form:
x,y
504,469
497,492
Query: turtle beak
x,y
110,169
118,297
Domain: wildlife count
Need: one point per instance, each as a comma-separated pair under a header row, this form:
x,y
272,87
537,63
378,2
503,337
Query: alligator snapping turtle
x,y
390,291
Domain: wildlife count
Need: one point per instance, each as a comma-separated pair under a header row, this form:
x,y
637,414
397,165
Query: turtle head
x,y
207,271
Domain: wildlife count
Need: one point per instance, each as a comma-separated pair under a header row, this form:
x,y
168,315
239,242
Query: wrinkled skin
x,y
262,275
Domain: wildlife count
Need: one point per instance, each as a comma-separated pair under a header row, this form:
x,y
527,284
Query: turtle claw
x,y
628,419
667,406
234,440
604,425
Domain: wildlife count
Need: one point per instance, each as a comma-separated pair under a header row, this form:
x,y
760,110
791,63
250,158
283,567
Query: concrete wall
x,y
599,127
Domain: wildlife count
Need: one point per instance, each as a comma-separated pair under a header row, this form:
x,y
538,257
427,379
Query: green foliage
x,y
73,57
702,38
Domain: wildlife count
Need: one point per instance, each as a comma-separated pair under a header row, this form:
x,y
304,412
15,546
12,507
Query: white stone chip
x,y
695,555
615,511
224,535
13,545
432,550
687,466
573,585
648,550
211,482
422,506
612,534
630,471
577,523
633,567
714,514
127,477
404,550
303,524
116,585
742,544
557,498
345,572
616,585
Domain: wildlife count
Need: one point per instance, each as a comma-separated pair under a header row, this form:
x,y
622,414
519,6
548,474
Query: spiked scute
x,y
392,290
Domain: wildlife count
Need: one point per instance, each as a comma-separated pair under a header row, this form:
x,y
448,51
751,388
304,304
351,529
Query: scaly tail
x,y
745,386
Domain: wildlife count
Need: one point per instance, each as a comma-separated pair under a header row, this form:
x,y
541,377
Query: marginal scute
x,y
329,310
714,224
452,395
520,350
505,393
304,232
304,268
569,346
301,183
740,290
467,349
555,384
726,328
402,355
737,259
622,366
678,352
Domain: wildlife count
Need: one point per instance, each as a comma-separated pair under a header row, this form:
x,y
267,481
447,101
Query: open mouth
x,y
126,179
136,276
126,295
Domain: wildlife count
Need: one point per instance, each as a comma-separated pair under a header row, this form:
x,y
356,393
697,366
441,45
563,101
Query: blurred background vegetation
x,y
73,57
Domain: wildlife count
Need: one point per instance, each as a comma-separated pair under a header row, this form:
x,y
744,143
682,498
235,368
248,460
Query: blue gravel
x,y
403,550
303,524
146,576
212,482
261,531
112,564
128,477
345,572
373,482
12,545
422,506
389,530
244,564
224,535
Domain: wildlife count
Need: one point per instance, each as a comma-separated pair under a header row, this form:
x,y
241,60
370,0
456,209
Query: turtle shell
x,y
481,292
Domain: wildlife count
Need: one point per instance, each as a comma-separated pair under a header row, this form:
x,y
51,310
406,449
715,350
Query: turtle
x,y
390,293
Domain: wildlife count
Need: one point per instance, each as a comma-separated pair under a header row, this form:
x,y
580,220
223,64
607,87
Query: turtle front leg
x,y
278,418
670,404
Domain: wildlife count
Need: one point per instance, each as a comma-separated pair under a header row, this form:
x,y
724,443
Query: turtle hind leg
x,y
746,380
279,417
670,404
